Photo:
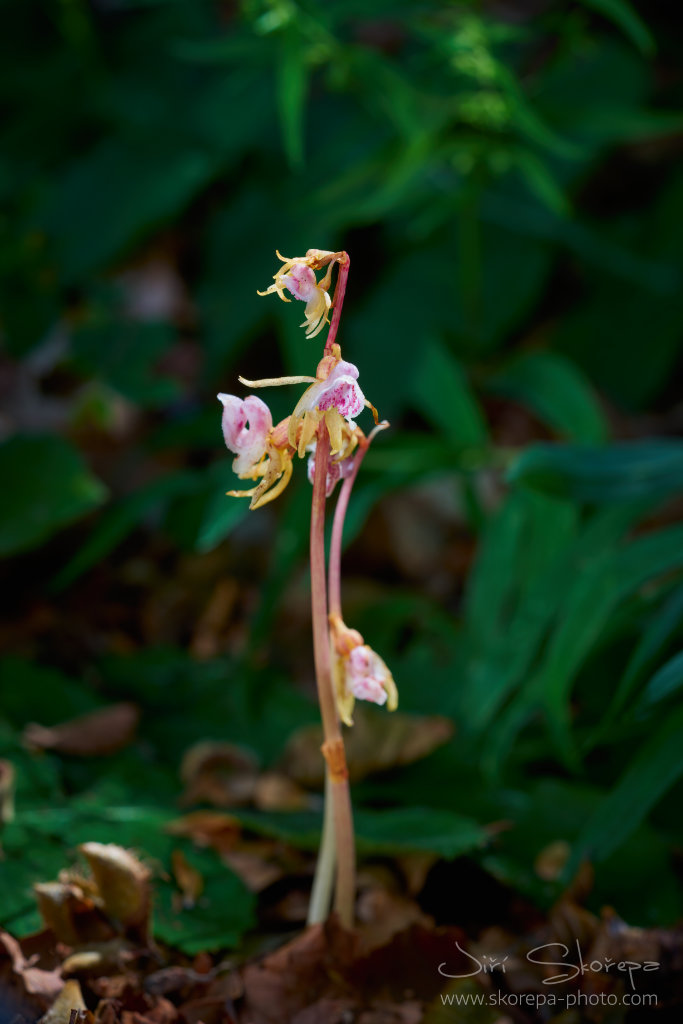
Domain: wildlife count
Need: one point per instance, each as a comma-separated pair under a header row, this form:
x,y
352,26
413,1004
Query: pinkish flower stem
x,y
334,564
338,301
333,746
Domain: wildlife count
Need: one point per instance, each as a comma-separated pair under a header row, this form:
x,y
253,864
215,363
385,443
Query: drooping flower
x,y
298,278
368,678
358,672
246,424
260,449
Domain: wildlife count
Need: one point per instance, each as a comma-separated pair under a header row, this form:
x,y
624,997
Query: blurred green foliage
x,y
505,179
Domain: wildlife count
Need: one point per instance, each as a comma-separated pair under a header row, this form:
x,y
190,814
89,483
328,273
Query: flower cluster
x,y
264,453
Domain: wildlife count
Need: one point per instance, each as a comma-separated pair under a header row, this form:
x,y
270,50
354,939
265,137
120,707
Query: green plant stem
x,y
333,746
323,881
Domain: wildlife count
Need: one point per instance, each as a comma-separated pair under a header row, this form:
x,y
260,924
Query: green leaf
x,y
444,397
667,681
124,354
512,597
224,910
222,514
626,471
631,24
411,829
387,831
47,486
121,519
292,81
664,625
655,768
591,601
556,391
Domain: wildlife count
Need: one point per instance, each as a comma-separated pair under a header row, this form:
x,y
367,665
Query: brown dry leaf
x,y
407,967
216,1004
99,958
208,828
382,911
96,734
276,792
208,640
190,881
552,859
375,743
221,774
298,974
64,909
122,883
6,791
257,864
44,985
69,999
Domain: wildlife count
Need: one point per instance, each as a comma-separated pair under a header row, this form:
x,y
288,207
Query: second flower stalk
x,y
322,426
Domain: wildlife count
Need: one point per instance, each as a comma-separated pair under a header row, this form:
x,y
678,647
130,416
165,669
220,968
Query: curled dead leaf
x,y
44,985
189,880
376,743
122,883
67,911
221,774
95,734
276,792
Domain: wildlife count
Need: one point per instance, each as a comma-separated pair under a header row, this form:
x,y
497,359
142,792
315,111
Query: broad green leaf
x,y
221,516
47,486
629,21
665,682
410,829
556,391
121,519
35,692
292,80
625,471
124,355
387,831
657,765
223,912
444,397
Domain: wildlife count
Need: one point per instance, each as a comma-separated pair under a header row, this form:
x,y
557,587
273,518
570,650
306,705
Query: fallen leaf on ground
x,y
69,1007
96,734
44,985
221,774
376,743
123,884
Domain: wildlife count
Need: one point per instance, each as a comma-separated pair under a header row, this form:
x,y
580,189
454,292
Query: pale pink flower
x,y
339,391
368,678
246,425
298,278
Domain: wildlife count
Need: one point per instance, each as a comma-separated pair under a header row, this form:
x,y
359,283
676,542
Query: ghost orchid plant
x,y
323,428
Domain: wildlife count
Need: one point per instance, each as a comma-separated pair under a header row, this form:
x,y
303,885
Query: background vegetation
x,y
507,180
